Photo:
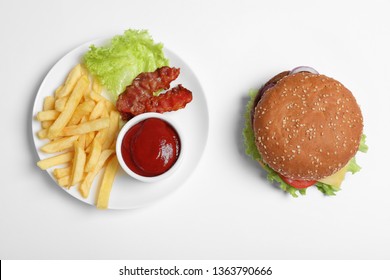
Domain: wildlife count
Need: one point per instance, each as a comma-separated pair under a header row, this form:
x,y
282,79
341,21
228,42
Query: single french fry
x,y
98,110
42,134
71,81
46,124
48,104
113,145
84,119
88,149
84,70
82,140
57,91
112,129
95,96
89,137
93,156
64,181
106,184
87,94
82,110
92,137
59,144
97,87
105,113
86,127
55,160
101,135
62,172
48,115
86,184
110,106
64,117
60,103
78,164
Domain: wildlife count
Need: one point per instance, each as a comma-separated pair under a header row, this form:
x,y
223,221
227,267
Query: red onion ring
x,y
303,69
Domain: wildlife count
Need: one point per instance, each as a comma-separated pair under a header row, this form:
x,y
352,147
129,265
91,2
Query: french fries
x,y
78,164
98,110
112,129
82,110
55,160
86,127
70,82
59,144
64,181
93,155
61,172
48,115
81,126
106,185
85,186
60,103
65,116
48,104
42,134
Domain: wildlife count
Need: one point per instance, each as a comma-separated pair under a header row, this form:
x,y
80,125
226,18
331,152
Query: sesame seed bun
x,y
307,126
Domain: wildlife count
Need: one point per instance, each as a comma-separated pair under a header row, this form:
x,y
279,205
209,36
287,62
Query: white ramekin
x,y
129,125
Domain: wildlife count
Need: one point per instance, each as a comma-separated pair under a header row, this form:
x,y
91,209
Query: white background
x,y
226,209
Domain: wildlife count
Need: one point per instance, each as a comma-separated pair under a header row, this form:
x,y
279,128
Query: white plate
x,y
128,193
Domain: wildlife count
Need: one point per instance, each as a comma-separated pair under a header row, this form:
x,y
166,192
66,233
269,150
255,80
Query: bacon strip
x,y
138,97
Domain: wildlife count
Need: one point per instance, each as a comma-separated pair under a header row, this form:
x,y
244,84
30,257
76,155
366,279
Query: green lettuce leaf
x,y
116,65
249,136
273,176
363,146
353,167
326,189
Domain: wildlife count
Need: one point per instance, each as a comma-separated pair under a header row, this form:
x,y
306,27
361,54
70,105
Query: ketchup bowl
x,y
149,147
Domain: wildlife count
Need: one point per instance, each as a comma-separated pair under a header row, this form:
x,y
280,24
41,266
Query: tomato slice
x,y
298,184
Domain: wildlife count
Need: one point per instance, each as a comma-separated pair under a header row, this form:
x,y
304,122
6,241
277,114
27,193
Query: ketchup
x,y
150,147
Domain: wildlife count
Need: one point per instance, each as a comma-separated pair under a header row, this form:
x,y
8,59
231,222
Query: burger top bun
x,y
307,126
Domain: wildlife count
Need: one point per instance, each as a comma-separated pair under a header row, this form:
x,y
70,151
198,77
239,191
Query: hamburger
x,y
304,129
